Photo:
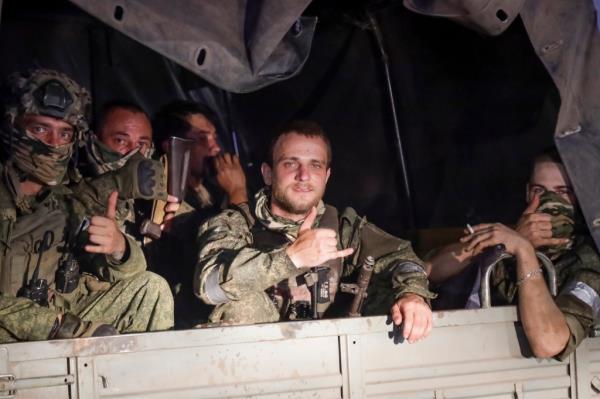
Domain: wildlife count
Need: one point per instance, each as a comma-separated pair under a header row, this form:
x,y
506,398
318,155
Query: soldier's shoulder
x,y
231,219
587,253
349,213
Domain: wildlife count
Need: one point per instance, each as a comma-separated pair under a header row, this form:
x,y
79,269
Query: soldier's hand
x,y
105,236
537,227
412,311
171,209
231,178
313,247
489,234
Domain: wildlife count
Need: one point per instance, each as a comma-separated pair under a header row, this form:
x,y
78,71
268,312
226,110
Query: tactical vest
x,y
20,239
266,240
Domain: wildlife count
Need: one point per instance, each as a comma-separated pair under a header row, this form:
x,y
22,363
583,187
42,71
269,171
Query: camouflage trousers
x,y
137,304
254,308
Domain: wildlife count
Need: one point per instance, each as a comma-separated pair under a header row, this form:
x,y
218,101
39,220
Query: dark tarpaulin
x,y
472,110
566,39
237,45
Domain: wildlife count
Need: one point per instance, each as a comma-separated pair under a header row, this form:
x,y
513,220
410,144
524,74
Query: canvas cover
x,y
238,45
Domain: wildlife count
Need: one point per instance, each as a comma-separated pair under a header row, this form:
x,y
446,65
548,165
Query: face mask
x,y
44,163
104,159
563,220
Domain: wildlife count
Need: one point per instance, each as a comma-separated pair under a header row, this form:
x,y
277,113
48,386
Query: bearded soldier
x,y
63,274
253,264
550,224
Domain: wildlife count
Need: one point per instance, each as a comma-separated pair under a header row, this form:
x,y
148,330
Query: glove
x,y
141,178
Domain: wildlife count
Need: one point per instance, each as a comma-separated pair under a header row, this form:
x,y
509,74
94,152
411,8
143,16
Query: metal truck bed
x,y
469,354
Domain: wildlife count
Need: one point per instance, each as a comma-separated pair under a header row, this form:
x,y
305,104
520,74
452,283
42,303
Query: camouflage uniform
x,y
577,269
233,272
174,256
120,293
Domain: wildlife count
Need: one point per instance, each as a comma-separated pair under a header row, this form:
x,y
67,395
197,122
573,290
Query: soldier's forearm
x,y
248,270
544,324
448,262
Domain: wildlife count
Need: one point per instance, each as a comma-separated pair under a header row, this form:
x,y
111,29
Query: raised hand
x,y
537,226
105,236
313,247
231,178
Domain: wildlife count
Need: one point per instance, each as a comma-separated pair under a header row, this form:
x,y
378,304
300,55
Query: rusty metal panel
x,y
305,367
588,362
34,379
480,360
470,354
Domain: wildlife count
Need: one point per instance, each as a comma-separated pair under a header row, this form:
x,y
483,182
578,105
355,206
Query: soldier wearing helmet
x,y
63,272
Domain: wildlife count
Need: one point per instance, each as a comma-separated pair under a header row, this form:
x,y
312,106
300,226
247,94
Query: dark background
x,y
472,110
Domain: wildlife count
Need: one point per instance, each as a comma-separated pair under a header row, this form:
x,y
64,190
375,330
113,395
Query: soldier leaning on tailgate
x,y
552,225
252,262
44,239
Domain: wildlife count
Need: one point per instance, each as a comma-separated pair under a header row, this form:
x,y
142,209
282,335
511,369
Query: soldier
x,y
42,227
251,261
123,131
552,225
196,122
215,180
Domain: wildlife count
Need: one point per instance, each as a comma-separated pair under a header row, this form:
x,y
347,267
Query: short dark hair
x,y
302,127
113,105
171,119
549,154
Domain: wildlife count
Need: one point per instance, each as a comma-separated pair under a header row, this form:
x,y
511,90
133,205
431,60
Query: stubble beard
x,y
290,205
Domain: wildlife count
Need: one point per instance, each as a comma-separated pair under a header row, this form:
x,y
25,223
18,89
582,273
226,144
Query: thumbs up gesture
x,y
313,247
537,227
105,236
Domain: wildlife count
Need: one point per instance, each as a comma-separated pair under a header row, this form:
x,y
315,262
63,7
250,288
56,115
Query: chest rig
x,y
32,246
322,281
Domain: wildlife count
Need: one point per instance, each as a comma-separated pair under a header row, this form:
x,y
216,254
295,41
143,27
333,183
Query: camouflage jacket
x,y
58,210
578,283
178,247
233,274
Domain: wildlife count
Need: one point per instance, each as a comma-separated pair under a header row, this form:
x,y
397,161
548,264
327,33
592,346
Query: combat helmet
x,y
48,93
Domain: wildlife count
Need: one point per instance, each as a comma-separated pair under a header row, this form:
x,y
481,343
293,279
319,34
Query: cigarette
x,y
470,229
